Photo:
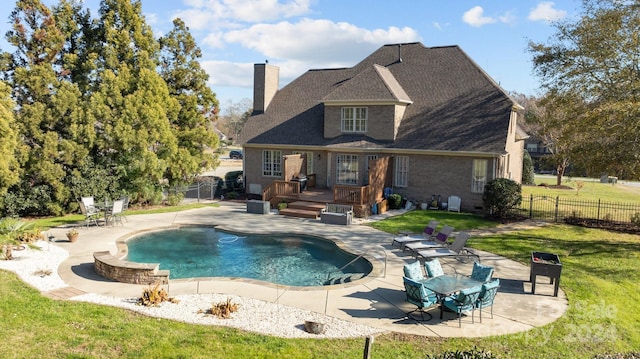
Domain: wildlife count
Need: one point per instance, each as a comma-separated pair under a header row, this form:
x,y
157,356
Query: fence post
x,y
556,214
598,215
531,206
368,343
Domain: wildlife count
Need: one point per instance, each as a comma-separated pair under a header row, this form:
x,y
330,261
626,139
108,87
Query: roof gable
x,y
373,84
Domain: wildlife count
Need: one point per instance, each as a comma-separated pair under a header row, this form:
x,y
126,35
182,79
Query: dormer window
x,y
354,119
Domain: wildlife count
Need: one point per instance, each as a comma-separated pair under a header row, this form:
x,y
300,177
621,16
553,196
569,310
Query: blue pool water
x,y
285,259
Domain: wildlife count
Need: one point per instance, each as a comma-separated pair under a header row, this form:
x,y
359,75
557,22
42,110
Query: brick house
x,y
421,120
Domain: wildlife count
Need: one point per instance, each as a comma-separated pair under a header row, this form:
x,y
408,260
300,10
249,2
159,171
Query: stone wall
x,y
122,271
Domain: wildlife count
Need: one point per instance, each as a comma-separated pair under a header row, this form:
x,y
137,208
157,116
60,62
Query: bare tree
x,y
234,116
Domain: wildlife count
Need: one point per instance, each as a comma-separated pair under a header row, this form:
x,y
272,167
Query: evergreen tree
x,y
131,105
45,108
528,176
9,166
187,83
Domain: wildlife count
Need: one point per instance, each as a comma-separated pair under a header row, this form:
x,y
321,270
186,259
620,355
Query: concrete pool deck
x,y
377,300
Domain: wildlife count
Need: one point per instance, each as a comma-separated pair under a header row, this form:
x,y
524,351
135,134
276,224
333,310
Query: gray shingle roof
x,y
455,106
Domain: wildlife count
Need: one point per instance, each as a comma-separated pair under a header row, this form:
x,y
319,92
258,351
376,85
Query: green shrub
x,y
232,195
501,196
174,199
394,201
470,354
528,175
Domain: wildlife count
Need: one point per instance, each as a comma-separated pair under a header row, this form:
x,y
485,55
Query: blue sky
x,y
298,35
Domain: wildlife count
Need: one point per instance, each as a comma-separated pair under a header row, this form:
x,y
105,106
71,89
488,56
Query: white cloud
x,y
508,17
319,41
545,12
214,40
226,73
205,14
475,18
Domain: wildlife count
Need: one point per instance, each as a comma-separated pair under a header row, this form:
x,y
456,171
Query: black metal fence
x,y
557,209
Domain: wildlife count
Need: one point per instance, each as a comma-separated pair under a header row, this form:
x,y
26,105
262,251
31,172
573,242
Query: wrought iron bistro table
x,y
447,284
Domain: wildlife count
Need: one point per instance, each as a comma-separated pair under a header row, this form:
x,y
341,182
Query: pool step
x,y
302,209
344,278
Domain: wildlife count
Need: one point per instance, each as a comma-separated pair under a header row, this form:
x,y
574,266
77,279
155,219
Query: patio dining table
x,y
448,284
104,207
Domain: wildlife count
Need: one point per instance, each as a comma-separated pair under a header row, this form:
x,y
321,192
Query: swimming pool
x,y
286,259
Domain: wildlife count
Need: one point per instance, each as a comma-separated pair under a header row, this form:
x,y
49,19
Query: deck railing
x,y
281,188
358,195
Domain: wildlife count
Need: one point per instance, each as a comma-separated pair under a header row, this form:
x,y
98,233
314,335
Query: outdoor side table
x,y
547,265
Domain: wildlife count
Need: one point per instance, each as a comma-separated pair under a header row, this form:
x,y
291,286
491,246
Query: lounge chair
x,y
456,249
440,240
426,234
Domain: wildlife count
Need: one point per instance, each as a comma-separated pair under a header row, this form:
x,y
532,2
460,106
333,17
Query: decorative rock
x,y
313,327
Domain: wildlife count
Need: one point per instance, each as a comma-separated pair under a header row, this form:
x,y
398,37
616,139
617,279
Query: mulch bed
x,y
607,225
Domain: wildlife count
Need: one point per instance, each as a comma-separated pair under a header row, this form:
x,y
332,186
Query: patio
x,y
377,300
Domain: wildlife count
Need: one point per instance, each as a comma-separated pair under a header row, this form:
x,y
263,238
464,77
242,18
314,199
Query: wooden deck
x,y
303,209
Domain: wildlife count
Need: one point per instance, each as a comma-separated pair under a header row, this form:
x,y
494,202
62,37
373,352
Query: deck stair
x,y
302,209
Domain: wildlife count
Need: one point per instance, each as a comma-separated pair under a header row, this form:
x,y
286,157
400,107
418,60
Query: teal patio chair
x,y
413,271
465,301
433,268
487,295
420,296
481,272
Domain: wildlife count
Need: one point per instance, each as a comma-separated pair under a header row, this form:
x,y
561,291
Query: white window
x,y
401,177
309,159
479,175
272,163
347,171
354,119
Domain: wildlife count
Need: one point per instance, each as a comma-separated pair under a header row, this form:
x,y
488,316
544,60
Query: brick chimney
x,y
265,85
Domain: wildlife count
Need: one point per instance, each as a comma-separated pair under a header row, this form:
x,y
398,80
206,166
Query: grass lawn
x,y
600,277
592,190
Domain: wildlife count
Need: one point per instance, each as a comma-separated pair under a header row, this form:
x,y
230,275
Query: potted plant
x,y
73,234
